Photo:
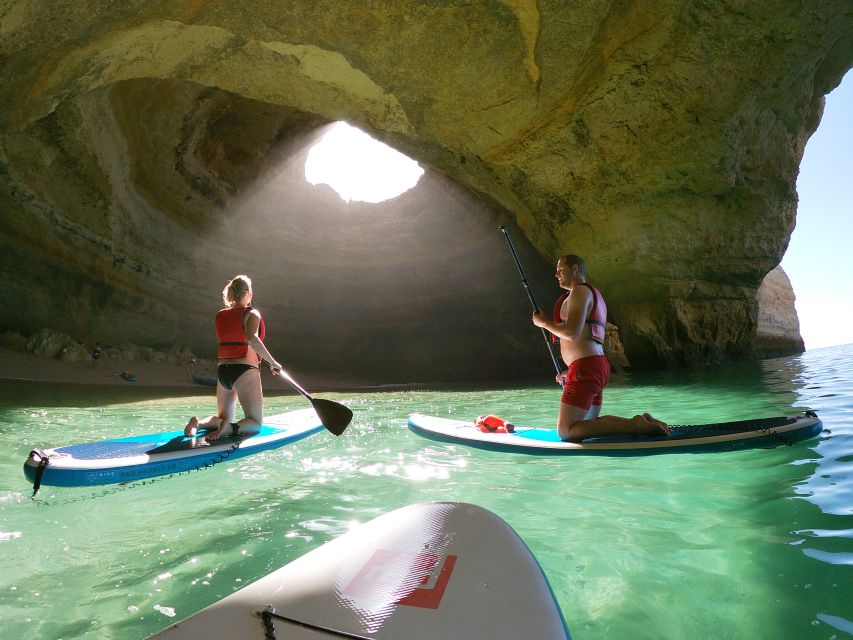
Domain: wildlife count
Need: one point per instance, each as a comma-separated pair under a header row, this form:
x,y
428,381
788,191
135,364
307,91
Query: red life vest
x,y
558,306
597,319
231,332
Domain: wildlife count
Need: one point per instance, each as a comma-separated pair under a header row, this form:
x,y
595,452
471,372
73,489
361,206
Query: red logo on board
x,y
414,579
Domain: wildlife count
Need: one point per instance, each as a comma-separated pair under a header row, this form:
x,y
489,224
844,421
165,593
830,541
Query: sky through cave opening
x,y
358,167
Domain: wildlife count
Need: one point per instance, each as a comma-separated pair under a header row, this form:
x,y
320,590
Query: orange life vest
x,y
231,332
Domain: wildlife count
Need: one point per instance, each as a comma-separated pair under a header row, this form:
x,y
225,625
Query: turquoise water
x,y
748,544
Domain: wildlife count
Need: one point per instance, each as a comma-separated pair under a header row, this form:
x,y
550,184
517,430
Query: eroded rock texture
x,y
151,150
778,325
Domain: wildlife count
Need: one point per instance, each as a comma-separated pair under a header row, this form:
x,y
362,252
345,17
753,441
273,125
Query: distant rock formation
x,y
149,154
778,327
55,344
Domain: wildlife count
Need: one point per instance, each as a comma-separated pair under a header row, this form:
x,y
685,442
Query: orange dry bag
x,y
493,424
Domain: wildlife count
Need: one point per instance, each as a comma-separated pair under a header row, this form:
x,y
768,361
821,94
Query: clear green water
x,y
750,544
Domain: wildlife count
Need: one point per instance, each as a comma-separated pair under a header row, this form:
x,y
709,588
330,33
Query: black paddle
x,y
548,342
334,416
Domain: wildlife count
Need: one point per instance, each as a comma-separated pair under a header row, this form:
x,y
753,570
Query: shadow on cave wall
x,y
187,186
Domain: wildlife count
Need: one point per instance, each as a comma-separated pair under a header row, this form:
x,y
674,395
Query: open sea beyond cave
x,y
745,544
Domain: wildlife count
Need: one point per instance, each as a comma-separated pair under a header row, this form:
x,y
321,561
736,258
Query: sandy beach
x,y
21,365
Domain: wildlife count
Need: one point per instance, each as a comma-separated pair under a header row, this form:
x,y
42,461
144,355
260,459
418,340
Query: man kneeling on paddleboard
x,y
578,323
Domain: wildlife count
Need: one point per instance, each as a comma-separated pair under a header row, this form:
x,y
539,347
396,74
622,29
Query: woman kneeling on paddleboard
x,y
240,332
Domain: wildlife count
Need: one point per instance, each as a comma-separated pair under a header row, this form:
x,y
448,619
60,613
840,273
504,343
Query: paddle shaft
x,y
334,416
286,376
535,306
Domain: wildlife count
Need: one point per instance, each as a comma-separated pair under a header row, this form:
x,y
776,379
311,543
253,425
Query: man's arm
x,y
577,306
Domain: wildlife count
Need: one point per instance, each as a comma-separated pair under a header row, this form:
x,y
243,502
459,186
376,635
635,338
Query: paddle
x,y
334,416
548,342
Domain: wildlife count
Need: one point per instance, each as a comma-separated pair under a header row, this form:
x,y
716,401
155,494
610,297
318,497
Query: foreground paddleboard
x,y
431,571
157,454
764,432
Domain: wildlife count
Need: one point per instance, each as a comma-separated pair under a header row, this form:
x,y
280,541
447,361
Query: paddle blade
x,y
334,416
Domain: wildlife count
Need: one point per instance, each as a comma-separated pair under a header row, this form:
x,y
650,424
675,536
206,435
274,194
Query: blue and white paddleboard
x,y
763,432
429,571
157,454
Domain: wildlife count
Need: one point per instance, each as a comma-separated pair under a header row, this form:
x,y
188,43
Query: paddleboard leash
x,y
44,460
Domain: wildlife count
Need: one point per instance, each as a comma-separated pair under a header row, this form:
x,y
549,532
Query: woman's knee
x,y
571,434
253,408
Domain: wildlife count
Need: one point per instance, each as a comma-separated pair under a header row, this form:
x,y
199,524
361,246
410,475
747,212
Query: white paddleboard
x,y
433,571
724,436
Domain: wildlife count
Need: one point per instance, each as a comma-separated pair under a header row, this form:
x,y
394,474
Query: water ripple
x,y
629,545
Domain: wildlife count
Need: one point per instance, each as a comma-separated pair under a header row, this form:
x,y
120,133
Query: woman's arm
x,y
253,324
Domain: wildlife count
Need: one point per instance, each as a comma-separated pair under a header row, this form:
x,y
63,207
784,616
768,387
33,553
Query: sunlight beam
x,y
358,167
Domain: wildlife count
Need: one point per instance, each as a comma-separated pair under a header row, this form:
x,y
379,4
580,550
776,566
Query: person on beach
x,y
578,323
240,331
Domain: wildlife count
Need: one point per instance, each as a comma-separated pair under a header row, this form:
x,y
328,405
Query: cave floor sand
x,y
18,365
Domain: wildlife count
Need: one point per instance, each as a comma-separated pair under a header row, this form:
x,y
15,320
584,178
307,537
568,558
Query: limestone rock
x,y
13,340
49,343
54,344
778,328
148,152
614,350
75,352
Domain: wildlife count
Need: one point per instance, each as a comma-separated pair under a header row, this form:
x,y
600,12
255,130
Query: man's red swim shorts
x,y
585,382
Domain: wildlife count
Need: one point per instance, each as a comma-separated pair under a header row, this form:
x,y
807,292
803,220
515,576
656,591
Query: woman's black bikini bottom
x,y
227,374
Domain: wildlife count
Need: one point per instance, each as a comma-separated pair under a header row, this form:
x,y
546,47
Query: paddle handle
x,y
535,306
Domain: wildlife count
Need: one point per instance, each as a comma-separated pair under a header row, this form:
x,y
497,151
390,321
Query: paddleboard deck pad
x,y
423,572
763,432
139,457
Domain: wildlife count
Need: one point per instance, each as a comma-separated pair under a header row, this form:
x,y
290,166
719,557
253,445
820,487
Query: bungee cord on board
x,y
765,425
269,613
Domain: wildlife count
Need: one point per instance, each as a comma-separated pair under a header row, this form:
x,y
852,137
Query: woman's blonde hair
x,y
236,289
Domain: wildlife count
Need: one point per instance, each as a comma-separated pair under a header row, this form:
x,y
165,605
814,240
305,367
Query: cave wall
x,y
135,244
661,142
